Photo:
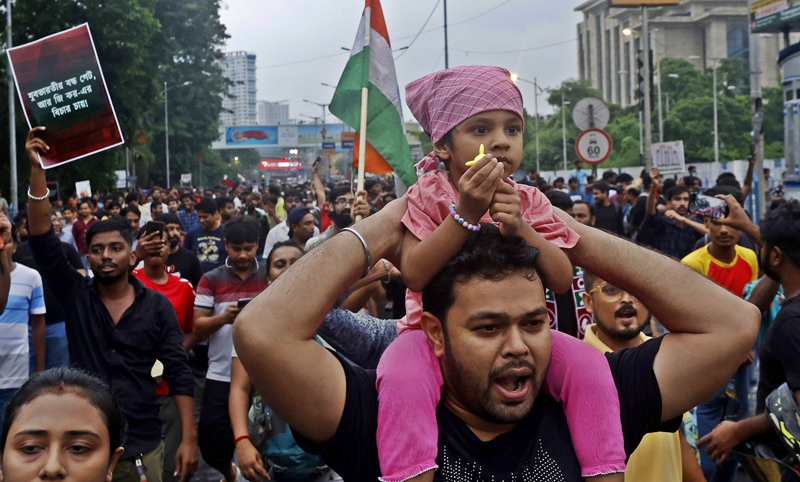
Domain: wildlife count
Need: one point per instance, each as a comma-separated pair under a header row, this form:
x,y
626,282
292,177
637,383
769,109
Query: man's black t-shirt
x,y
780,353
608,217
538,448
186,264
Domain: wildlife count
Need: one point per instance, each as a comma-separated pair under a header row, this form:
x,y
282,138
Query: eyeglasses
x,y
609,292
344,202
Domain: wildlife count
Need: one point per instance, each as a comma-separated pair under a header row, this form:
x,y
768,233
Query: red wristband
x,y
239,439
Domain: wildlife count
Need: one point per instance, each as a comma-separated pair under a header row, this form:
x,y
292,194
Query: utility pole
x,y
564,126
716,118
660,115
756,108
12,138
446,53
166,127
648,122
536,121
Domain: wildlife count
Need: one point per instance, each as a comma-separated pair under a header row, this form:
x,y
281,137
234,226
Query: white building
x,y
706,30
271,113
240,68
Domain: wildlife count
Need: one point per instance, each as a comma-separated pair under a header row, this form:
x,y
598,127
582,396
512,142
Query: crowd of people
x,y
476,328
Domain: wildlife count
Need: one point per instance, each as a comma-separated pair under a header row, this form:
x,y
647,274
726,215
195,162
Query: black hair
x,y
131,197
766,170
576,162
624,177
282,244
114,223
725,190
65,379
586,203
185,195
240,230
669,183
634,190
370,183
338,192
486,254
589,279
573,179
646,181
560,199
292,193
676,191
780,228
558,179
729,181
221,202
602,186
690,168
130,209
688,181
207,205
274,190
609,175
86,200
168,218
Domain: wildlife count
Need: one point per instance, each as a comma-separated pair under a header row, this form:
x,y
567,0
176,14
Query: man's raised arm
x,y
274,338
712,330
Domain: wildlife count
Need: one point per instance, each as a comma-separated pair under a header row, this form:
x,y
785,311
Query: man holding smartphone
x,y
216,306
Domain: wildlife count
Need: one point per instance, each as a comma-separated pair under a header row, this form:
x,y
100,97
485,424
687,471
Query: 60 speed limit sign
x,y
593,146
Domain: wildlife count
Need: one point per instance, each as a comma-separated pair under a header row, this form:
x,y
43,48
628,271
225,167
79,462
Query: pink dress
x,y
410,380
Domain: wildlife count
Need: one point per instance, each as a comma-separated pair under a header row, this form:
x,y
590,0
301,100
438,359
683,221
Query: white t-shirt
x,y
25,298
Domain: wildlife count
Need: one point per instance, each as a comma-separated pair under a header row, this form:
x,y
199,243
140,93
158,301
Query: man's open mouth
x,y
627,312
514,385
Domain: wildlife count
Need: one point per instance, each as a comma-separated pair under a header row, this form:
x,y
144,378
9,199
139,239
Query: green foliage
x,y
690,118
141,44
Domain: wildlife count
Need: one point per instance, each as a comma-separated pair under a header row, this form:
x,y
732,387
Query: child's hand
x,y
506,209
477,187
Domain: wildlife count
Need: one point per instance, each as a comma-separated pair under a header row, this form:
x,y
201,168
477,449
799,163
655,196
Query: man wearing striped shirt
x,y
216,306
25,306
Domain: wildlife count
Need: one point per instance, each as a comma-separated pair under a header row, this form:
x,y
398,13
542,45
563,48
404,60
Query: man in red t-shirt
x,y
85,221
181,294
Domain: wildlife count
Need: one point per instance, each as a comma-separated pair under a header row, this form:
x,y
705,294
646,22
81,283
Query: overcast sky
x,y
289,31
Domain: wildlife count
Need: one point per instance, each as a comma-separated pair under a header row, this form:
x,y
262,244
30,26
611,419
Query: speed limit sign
x,y
593,146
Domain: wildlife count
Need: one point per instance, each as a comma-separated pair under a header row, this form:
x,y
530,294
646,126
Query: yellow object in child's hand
x,y
477,158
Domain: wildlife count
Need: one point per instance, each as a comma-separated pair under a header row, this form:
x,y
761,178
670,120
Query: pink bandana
x,y
442,100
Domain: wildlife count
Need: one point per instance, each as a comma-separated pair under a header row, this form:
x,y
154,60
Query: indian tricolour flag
x,y
371,66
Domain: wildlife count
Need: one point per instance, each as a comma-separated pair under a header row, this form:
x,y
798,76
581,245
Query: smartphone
x,y
243,302
710,207
154,227
752,149
316,162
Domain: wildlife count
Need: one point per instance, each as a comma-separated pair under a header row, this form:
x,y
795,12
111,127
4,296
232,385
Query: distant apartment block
x,y
240,68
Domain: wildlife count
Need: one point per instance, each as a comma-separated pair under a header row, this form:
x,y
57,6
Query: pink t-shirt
x,y
429,203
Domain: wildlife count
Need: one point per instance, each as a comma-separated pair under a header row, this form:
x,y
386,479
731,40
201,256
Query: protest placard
x,y
669,157
83,188
61,87
186,180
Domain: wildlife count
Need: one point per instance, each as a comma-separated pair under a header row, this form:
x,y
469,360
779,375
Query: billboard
x,y
774,15
281,136
641,3
280,164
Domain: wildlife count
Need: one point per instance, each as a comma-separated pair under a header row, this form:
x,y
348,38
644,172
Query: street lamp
x,y
536,92
716,118
627,31
324,106
166,121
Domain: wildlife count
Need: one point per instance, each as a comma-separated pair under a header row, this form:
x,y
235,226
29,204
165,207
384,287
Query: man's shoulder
x,y
24,274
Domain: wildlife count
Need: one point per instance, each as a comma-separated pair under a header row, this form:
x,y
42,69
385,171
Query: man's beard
x,y
626,334
768,269
108,279
341,220
477,398
174,240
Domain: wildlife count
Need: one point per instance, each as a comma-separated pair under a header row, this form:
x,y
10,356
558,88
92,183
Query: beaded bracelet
x,y
462,221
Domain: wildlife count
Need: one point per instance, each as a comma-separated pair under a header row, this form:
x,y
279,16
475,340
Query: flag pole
x,y
362,133
362,138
